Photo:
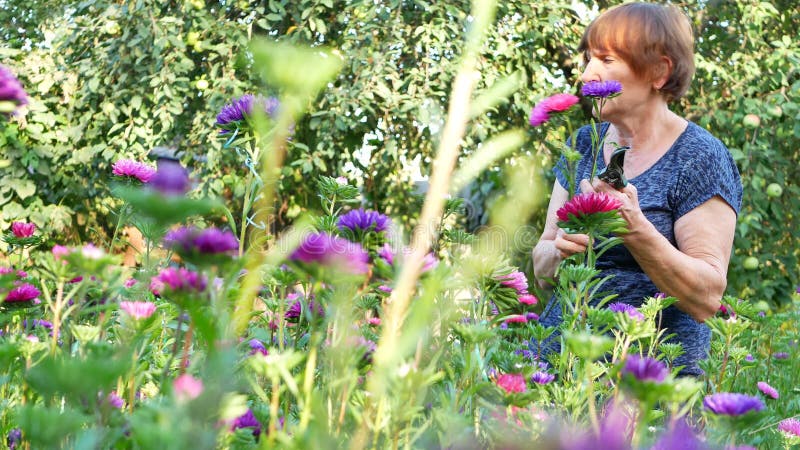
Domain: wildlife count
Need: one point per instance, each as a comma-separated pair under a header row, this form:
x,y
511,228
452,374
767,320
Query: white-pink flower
x,y
187,387
138,310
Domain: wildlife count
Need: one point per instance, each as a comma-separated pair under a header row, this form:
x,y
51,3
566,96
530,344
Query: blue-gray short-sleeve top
x,y
696,168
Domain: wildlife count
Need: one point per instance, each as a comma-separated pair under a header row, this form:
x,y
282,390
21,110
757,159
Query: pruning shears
x,y
612,173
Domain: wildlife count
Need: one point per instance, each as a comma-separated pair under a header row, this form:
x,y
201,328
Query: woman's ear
x,y
663,73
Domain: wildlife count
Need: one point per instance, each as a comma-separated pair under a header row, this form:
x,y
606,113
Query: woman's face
x,y
636,92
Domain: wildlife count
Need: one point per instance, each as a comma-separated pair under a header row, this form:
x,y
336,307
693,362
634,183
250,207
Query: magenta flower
x,y
138,310
23,293
790,427
257,347
512,382
679,436
296,309
515,280
130,282
11,92
732,404
516,318
177,280
332,251
240,109
60,251
171,178
554,104
247,420
767,390
601,89
37,323
364,220
542,377
187,387
645,369
208,241
632,312
133,169
114,400
587,204
528,299
23,229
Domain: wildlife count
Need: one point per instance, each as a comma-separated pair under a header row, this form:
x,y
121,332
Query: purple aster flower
x,y
207,241
133,169
14,436
177,280
332,251
542,377
247,420
23,229
633,313
171,178
732,404
364,220
114,400
387,253
601,89
749,358
257,347
296,310
790,426
240,109
23,293
37,323
615,433
515,280
531,316
767,390
780,355
12,94
679,436
645,369
539,115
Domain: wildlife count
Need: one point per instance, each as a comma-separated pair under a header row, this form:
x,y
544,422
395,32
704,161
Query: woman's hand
x,y
628,196
569,244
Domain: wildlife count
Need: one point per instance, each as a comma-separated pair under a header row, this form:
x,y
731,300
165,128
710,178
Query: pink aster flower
x,y
528,299
60,251
512,382
374,321
133,169
187,387
23,293
538,116
22,229
587,204
790,427
515,280
767,390
12,94
516,318
177,280
138,310
554,104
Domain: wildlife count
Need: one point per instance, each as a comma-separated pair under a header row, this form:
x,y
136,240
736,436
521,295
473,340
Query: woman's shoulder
x,y
697,143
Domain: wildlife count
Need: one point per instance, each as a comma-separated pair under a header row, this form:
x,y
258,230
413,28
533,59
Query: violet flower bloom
x,y
138,310
14,436
23,229
767,390
12,94
539,115
732,404
633,313
247,420
257,347
601,89
512,382
114,400
542,377
645,369
332,251
364,220
242,108
23,293
177,280
679,436
790,427
515,280
208,241
387,253
296,310
133,169
780,355
37,323
749,358
171,178
187,387
587,204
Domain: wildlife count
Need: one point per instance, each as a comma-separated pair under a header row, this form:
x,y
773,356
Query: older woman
x,y
684,191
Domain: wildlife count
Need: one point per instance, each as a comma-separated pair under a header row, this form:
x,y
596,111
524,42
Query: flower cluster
x,y
512,382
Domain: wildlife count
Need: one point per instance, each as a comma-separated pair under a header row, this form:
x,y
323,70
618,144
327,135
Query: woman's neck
x,y
647,129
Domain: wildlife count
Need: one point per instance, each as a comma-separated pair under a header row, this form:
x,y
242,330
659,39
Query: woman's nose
x,y
589,72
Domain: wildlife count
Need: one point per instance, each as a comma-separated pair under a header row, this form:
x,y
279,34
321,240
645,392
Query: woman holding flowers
x,y
684,191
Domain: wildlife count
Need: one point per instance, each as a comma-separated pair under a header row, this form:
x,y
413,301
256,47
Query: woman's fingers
x,y
569,244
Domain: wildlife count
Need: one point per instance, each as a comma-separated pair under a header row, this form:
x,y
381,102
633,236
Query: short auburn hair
x,y
641,34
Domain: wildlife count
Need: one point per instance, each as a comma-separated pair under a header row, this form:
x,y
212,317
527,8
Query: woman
x,y
684,191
